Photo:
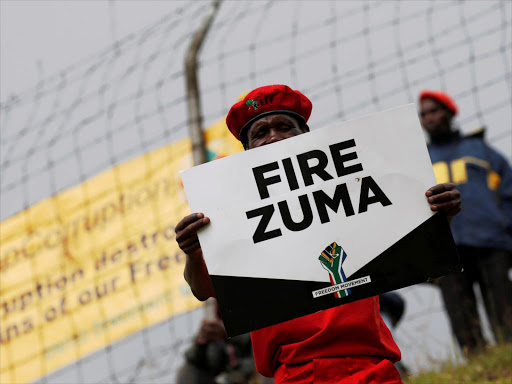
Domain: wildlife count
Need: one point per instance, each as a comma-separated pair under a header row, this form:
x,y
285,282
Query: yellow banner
x,y
96,262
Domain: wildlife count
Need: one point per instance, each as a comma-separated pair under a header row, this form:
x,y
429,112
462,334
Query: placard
x,y
320,219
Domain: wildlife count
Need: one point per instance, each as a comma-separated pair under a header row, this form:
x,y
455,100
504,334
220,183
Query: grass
x,y
493,365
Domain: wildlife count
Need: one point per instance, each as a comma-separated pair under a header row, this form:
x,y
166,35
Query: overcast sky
x,y
39,38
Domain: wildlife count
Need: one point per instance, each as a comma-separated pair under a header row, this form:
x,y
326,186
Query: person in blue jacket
x,y
483,228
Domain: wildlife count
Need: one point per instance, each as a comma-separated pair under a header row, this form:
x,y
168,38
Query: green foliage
x,y
493,365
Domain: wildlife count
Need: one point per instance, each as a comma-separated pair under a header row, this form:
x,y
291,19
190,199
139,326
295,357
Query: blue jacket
x,y
484,179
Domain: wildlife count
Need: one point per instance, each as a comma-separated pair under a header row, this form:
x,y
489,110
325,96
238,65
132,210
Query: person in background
x,y
214,359
483,229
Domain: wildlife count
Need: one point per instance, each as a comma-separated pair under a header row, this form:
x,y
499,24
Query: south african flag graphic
x,y
332,259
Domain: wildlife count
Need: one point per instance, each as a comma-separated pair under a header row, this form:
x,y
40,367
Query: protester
x,y
207,357
214,359
483,230
345,344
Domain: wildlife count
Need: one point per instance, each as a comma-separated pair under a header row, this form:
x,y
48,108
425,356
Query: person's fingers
x,y
191,229
189,242
188,220
439,188
451,207
444,197
191,249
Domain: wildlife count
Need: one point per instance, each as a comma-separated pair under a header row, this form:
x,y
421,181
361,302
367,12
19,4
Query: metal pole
x,y
195,118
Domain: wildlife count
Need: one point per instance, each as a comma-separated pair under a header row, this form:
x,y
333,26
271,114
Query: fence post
x,y
195,118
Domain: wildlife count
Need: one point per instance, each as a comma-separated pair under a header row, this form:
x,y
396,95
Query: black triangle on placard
x,y
247,304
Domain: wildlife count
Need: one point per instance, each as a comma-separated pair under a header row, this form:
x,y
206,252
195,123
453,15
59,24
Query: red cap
x,y
442,97
264,101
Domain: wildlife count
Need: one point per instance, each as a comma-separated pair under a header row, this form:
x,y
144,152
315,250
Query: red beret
x,y
264,101
442,97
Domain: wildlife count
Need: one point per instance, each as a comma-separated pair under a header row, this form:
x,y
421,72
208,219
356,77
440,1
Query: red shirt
x,y
349,342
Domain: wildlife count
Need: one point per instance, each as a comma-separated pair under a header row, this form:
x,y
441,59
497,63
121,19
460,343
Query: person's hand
x,y
211,331
186,233
444,198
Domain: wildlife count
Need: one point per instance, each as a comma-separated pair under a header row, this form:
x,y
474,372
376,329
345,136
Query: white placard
x,y
385,151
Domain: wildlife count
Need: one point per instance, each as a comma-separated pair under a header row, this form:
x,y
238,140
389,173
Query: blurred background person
x,y
482,230
214,359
